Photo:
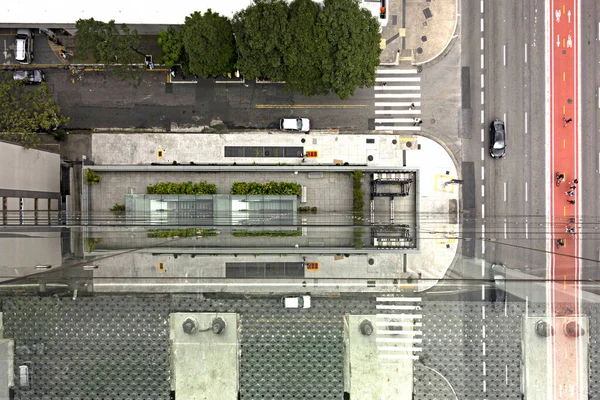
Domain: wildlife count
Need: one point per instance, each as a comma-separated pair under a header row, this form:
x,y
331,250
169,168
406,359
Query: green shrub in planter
x,y
183,233
90,177
313,209
358,195
182,188
118,210
295,232
271,188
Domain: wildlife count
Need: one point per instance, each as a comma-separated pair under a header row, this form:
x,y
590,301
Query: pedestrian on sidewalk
x,y
571,201
383,83
560,243
574,182
418,121
573,187
567,121
570,193
571,230
412,105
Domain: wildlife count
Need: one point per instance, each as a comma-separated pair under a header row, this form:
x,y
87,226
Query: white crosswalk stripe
x,y
398,327
397,92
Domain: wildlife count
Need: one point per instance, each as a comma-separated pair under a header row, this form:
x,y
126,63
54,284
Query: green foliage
x,y
90,244
313,209
108,45
352,34
261,33
358,237
306,49
359,196
187,232
25,111
271,188
171,43
304,208
90,177
295,232
209,43
182,188
118,210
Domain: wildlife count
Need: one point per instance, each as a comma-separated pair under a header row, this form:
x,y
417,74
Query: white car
x,y
296,301
294,124
24,46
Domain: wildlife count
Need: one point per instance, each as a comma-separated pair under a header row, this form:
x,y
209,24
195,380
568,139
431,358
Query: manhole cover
x,y
427,13
371,261
423,38
303,140
370,158
409,144
394,141
420,50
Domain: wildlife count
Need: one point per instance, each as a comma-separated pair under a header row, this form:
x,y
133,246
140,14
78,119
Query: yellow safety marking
x,y
564,143
310,106
406,286
159,153
564,211
161,267
442,238
564,110
564,76
382,44
406,139
440,186
402,32
564,43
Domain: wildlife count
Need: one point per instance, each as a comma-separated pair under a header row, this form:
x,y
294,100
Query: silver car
x,y
29,76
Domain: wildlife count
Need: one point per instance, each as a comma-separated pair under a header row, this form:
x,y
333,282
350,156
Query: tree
x,y
171,43
209,43
25,112
261,32
107,45
306,49
352,35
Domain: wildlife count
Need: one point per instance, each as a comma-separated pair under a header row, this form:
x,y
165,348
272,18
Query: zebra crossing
x,y
398,327
396,89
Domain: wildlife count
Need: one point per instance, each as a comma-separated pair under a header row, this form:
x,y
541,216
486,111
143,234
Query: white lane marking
x,y
525,121
525,52
482,84
481,44
482,117
397,307
483,211
398,79
504,191
484,384
396,104
483,348
526,191
526,230
409,299
390,71
482,154
397,95
482,292
392,87
482,191
504,54
482,61
482,239
481,6
397,128
482,98
392,120
483,312
482,173
482,268
483,331
505,123
408,316
505,232
482,135
481,24
413,111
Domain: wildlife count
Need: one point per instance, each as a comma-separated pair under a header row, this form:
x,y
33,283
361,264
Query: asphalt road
x,y
502,78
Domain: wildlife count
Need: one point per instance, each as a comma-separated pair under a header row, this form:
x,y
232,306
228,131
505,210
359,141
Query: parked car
x,y
294,124
497,139
24,46
296,301
30,76
499,274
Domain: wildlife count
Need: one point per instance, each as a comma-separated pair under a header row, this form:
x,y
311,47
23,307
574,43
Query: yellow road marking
x,y
310,105
564,211
564,76
564,143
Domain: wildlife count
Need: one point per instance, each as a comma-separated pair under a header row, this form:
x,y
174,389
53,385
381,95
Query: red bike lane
x,y
564,159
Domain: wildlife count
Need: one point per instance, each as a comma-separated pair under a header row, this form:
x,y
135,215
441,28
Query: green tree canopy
x,y
209,43
171,43
261,31
306,49
25,111
352,35
106,44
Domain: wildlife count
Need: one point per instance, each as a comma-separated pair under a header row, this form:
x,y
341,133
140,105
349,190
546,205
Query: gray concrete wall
x,y
28,169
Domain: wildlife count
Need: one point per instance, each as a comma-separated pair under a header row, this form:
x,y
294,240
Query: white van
x,y
24,380
24,46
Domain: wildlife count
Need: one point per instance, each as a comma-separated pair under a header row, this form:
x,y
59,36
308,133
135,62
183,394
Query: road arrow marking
x,y
558,40
569,15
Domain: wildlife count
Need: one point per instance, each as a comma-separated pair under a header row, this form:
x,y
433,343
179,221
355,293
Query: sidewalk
x,y
418,31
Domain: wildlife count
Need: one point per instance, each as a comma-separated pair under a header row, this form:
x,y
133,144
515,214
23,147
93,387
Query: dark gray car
x,y
31,77
499,274
497,139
